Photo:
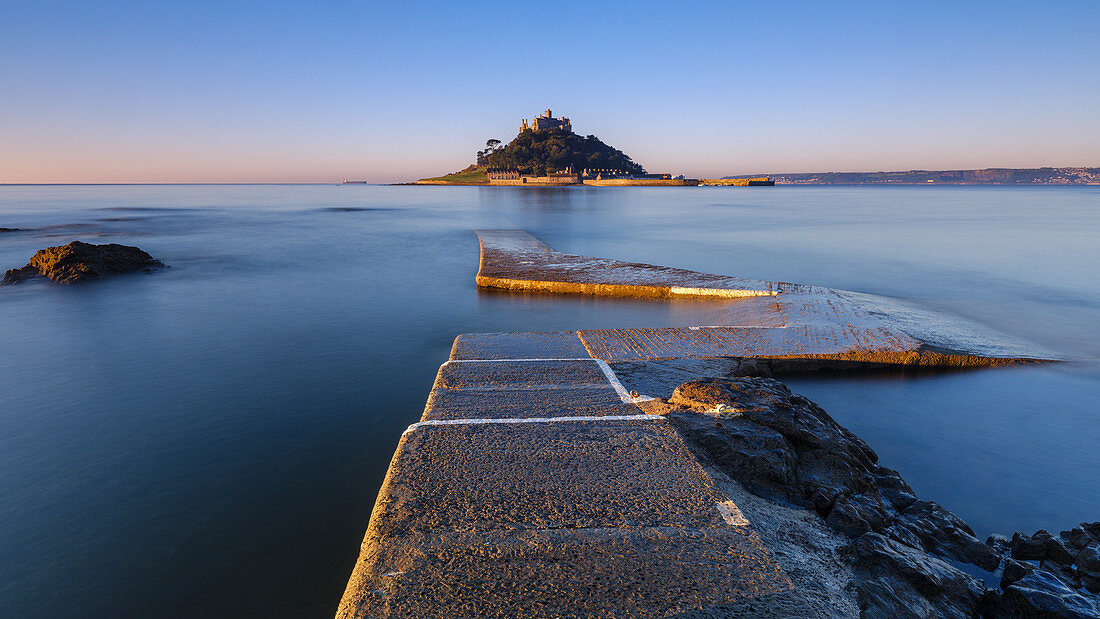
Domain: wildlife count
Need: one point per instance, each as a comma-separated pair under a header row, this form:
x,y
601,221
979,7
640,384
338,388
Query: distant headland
x,y
988,176
546,152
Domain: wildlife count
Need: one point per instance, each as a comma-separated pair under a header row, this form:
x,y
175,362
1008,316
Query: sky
x,y
287,92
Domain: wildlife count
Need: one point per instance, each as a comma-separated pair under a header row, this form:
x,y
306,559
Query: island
x,y
547,153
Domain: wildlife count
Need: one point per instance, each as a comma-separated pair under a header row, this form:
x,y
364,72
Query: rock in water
x,y
14,276
77,262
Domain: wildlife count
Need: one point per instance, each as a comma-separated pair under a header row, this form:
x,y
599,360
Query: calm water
x,y
208,440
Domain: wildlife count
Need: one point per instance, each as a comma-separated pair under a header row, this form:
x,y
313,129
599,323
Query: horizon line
x,y
361,182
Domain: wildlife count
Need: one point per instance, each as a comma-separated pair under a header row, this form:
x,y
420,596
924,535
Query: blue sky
x,y
234,91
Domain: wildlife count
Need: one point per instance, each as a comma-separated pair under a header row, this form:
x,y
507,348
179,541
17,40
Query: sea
x,y
208,440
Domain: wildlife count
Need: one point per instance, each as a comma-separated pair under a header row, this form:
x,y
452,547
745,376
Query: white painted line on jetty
x,y
514,420
535,387
517,360
735,327
627,398
732,514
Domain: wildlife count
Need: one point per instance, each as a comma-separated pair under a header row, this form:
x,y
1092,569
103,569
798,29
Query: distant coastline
x,y
547,153
987,176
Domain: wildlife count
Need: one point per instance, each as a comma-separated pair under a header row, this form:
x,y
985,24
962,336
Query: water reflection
x,y
225,423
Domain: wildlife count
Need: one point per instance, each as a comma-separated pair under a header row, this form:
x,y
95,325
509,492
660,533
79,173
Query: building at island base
x,y
514,177
598,178
566,177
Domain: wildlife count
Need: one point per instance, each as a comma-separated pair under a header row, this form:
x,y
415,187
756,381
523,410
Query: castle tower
x,y
546,121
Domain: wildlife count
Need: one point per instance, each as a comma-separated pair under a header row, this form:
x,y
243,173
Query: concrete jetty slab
x,y
521,374
558,345
702,342
576,519
515,260
799,326
519,388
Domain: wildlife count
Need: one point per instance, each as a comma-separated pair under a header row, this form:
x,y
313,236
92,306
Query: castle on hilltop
x,y
546,121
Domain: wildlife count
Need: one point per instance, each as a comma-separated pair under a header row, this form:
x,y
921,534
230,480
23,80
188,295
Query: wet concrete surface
x,y
780,320
515,260
517,388
797,340
547,476
558,345
541,403
593,572
525,374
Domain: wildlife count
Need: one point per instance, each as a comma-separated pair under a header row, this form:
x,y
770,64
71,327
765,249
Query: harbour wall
x,y
641,182
738,182
435,182
535,180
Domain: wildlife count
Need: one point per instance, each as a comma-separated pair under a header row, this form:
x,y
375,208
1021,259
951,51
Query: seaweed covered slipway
x,y
664,472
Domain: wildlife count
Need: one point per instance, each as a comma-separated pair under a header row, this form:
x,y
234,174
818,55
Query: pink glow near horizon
x,y
210,92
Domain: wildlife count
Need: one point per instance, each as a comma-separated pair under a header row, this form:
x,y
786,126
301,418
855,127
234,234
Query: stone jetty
x,y
792,326
515,260
537,484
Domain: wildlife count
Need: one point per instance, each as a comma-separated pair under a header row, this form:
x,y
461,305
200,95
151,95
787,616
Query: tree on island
x,y
551,150
491,146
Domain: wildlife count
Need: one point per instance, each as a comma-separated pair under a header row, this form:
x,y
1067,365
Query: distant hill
x,y
988,176
472,175
539,150
550,150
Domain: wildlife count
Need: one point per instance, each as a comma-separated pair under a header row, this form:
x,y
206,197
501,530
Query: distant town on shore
x,y
987,176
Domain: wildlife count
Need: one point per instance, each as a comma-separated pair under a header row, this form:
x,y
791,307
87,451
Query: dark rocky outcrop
x,y
798,454
1042,594
1072,556
904,550
899,580
77,262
